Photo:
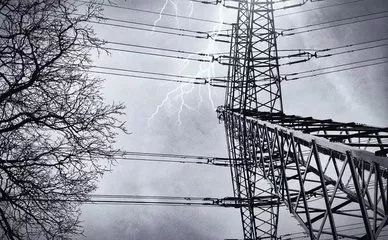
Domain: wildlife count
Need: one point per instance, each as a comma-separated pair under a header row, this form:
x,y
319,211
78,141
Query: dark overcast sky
x,y
358,95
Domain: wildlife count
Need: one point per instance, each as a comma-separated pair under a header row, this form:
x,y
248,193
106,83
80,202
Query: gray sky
x,y
193,128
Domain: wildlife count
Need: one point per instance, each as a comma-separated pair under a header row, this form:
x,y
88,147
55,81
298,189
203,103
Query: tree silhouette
x,y
55,128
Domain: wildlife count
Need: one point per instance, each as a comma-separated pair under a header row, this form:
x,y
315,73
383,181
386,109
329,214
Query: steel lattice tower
x,y
326,173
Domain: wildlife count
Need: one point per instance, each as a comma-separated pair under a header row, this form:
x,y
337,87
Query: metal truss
x,y
373,139
254,82
258,222
298,162
323,184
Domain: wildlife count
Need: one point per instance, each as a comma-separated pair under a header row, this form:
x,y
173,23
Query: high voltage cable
x,y
177,158
160,55
327,52
210,161
157,202
354,44
339,20
318,8
198,34
333,21
156,48
184,161
159,13
149,25
150,30
179,78
195,34
140,24
336,70
214,2
284,32
173,155
161,157
202,57
149,78
146,72
203,81
341,65
123,199
352,50
309,54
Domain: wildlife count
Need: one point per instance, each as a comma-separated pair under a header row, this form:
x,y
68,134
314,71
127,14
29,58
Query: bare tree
x,y
54,125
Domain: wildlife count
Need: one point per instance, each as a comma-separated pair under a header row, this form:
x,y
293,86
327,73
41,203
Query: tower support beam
x,y
323,184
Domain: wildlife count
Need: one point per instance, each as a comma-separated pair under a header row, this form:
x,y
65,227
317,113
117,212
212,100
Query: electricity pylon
x,y
326,173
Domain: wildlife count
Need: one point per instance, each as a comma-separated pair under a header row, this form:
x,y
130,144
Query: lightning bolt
x,y
184,89
175,6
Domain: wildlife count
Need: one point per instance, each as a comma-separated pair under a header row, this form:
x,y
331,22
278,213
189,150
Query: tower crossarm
x,y
322,183
373,139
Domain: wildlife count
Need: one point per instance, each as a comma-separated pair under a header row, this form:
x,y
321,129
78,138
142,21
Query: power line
x,y
295,76
160,13
158,48
171,158
210,161
160,55
143,200
201,57
341,65
284,32
214,2
157,157
194,34
339,20
330,52
146,72
150,30
354,44
149,25
185,156
201,81
319,8
352,50
149,78
139,200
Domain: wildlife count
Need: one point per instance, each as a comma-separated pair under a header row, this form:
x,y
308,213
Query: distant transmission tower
x,y
328,174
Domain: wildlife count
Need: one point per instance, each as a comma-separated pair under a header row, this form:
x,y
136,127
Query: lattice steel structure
x,y
328,174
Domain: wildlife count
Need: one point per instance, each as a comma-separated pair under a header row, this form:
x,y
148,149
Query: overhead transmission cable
x,y
149,77
158,13
146,72
171,158
213,82
335,51
143,200
161,55
156,48
304,55
158,157
314,9
342,67
224,3
180,31
289,31
193,56
318,8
